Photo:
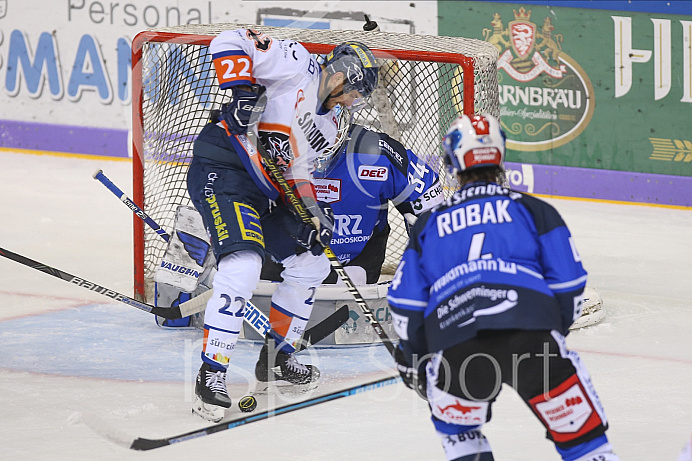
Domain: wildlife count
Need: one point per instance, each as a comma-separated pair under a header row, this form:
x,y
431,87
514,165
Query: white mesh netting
x,y
422,89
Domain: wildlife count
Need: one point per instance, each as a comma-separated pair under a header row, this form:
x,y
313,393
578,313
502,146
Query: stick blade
x,y
326,327
141,444
170,313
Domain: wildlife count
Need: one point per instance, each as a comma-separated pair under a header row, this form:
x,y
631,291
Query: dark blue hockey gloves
x,y
314,239
244,108
413,377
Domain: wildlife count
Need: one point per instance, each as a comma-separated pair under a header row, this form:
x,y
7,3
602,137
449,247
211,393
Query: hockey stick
x,y
187,308
311,336
143,444
252,147
98,175
253,316
169,313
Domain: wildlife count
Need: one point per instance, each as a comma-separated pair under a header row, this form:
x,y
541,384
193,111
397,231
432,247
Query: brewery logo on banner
x,y
546,98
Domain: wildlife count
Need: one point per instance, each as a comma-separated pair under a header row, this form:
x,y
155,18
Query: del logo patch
x,y
373,173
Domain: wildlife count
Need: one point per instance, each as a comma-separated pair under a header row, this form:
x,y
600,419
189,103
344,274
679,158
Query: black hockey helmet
x,y
357,63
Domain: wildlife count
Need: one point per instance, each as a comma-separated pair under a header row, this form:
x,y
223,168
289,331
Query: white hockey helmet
x,y
474,142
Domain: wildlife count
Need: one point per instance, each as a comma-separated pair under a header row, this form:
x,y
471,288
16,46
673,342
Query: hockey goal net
x,y
425,82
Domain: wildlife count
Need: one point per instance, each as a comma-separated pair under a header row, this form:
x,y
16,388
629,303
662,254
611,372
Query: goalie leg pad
x,y
187,254
292,302
170,296
237,276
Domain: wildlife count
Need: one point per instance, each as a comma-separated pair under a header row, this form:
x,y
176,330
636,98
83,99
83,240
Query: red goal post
x,y
424,84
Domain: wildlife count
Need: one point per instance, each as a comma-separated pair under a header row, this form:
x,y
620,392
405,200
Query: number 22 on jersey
x,y
233,68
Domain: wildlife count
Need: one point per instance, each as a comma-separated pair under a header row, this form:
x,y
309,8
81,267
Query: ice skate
x,y
211,395
285,367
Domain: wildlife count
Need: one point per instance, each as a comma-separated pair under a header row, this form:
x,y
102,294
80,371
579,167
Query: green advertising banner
x,y
588,88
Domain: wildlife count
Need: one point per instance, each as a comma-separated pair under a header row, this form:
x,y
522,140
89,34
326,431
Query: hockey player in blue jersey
x,y
277,89
358,180
484,295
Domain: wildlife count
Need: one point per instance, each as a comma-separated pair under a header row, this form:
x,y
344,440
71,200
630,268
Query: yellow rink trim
x,y
14,150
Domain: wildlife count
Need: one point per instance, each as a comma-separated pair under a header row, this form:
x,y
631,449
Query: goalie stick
x,y
253,316
98,175
252,147
311,336
144,444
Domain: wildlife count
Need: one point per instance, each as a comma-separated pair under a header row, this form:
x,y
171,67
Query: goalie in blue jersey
x,y
485,294
358,180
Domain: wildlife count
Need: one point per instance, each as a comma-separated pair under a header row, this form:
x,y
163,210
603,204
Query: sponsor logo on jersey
x,y
300,97
219,224
215,354
566,410
327,190
469,268
373,173
249,223
390,150
253,316
453,306
218,357
221,345
352,239
429,199
344,258
345,225
457,411
314,136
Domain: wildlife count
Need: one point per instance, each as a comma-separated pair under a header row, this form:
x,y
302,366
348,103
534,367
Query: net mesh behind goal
x,y
425,82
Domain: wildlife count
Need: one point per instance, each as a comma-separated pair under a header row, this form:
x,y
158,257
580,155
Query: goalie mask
x,y
358,65
474,142
325,158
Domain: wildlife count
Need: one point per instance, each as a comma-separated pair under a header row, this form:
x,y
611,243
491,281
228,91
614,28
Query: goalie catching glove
x,y
244,109
413,377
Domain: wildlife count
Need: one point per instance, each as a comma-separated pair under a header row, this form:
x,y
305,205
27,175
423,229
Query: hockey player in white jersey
x,y
359,179
484,295
277,88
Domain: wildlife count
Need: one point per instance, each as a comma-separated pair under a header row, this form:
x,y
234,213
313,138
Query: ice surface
x,y
67,353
